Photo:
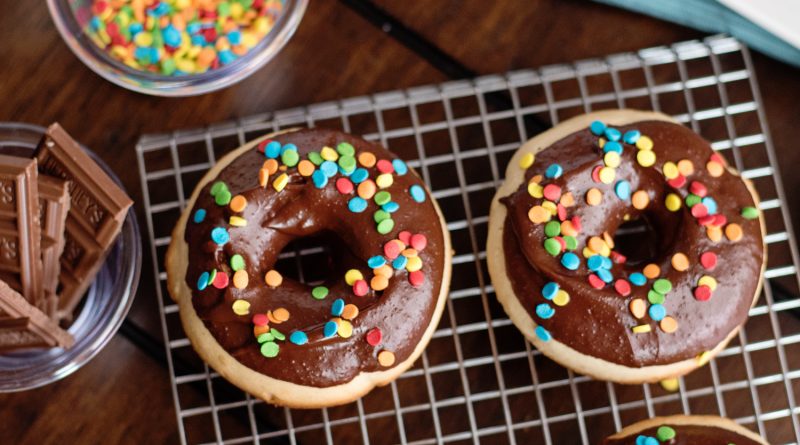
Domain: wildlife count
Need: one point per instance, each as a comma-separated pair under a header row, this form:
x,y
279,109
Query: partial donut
x,y
688,285
685,430
290,343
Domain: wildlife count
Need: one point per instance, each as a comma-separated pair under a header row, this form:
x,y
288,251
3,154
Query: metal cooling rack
x,y
479,381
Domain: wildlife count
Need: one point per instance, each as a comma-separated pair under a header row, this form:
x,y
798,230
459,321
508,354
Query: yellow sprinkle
x,y
611,159
587,252
607,175
672,202
352,275
601,142
670,170
526,161
329,154
414,264
646,158
241,307
670,385
384,180
641,329
280,182
551,207
345,328
535,190
561,298
240,279
703,358
644,143
708,280
237,221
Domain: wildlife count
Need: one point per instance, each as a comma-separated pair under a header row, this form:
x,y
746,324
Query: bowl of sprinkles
x,y
176,47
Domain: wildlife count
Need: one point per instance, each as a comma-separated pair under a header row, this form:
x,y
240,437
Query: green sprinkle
x,y
265,337
270,349
572,242
319,292
315,158
665,433
290,158
223,197
382,197
345,149
347,163
692,199
385,226
552,246
553,228
237,262
662,286
212,276
277,334
218,187
654,297
749,212
381,215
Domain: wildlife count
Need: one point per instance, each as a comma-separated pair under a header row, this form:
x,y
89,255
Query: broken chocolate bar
x,y
53,208
24,326
20,257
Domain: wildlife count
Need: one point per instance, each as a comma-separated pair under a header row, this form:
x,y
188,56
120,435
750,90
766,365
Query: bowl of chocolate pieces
x,y
70,255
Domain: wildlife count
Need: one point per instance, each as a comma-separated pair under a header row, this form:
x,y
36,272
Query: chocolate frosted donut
x,y
286,342
685,430
694,270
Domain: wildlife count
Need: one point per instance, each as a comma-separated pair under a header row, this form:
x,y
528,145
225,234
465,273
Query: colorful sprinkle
x,y
542,333
270,349
665,433
538,215
637,278
386,358
357,204
642,329
330,329
549,290
594,197
657,312
672,202
374,337
747,212
662,286
708,260
553,171
385,226
645,158
298,337
733,232
202,281
240,279
640,199
545,311
221,280
199,215
220,235
570,261
400,167
668,324
597,128
680,262
273,278
280,182
319,292
241,307
417,193
638,308
623,190
526,161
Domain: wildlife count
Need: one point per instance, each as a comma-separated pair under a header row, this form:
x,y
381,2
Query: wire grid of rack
x,y
479,381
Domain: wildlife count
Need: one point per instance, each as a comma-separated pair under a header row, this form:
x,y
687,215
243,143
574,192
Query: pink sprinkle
x,y
562,212
622,287
706,220
344,185
221,280
596,174
392,249
596,282
618,257
702,293
419,242
416,278
677,182
720,220
698,189
708,260
552,192
405,237
699,210
360,288
576,223
385,166
260,320
374,337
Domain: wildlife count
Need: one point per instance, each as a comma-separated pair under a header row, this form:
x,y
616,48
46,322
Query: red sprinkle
x,y
552,192
391,249
562,212
562,242
260,320
596,174
717,158
699,210
622,287
416,278
385,166
720,220
221,280
596,282
677,182
418,242
374,337
702,293
706,220
708,260
698,189
360,288
263,145
405,237
618,257
344,185
576,223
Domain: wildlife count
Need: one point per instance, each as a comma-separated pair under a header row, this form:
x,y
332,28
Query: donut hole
x,y
311,259
639,240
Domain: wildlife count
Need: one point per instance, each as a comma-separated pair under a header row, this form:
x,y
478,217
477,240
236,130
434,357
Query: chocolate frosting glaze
x,y
598,322
402,312
689,435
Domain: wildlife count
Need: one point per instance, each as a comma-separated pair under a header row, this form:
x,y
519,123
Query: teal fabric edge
x,y
711,16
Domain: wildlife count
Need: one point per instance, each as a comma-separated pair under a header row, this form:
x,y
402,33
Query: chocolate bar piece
x,y
53,208
20,257
80,262
24,326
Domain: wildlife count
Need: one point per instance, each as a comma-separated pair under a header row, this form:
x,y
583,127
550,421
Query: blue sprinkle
x,y
199,215
298,338
390,207
95,23
135,28
399,262
198,40
235,37
612,146
612,134
543,333
191,28
545,311
359,175
172,36
549,290
604,275
657,312
623,190
202,282
637,278
329,168
272,150
417,193
319,178
330,328
288,147
376,262
338,307
400,167
142,54
570,261
553,171
631,136
597,128
710,204
226,56
646,440
220,236
595,262
607,263
357,204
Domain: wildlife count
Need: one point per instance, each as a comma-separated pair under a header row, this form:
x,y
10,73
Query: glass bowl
x,y
72,16
106,302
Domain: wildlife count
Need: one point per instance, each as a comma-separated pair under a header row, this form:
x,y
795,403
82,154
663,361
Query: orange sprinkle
x,y
305,167
638,308
384,271
733,231
640,199
366,189
271,165
386,358
379,282
567,229
238,203
680,262
280,314
536,179
258,330
597,244
685,167
350,311
263,177
669,324
272,318
714,233
567,200
538,214
409,253
366,159
609,241
594,197
651,271
273,278
715,169
240,279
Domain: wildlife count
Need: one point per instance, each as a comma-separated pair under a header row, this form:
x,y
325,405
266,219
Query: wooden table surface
x,y
341,49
